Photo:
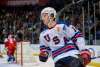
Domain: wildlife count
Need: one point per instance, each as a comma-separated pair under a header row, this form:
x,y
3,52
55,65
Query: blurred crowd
x,y
24,21
86,17
23,24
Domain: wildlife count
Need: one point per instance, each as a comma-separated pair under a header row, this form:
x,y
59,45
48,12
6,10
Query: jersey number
x,y
55,39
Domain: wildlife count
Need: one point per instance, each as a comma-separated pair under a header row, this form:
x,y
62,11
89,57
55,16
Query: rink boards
x,y
31,51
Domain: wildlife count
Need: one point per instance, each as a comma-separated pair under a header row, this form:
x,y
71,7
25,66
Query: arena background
x,y
22,18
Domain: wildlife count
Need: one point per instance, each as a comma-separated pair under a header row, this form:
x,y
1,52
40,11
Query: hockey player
x,y
10,46
63,42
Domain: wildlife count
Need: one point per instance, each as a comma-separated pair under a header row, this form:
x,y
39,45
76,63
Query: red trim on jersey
x,y
63,49
42,49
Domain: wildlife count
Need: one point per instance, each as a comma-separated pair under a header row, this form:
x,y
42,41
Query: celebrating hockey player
x,y
63,42
10,46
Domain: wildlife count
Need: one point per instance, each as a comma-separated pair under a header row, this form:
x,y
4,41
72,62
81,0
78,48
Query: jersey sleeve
x,y
75,35
43,45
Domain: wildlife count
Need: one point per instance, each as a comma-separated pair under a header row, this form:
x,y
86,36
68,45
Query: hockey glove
x,y
43,56
86,56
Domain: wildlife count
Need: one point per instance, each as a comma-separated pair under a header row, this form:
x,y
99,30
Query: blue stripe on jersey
x,y
42,46
63,46
55,55
44,49
77,34
63,50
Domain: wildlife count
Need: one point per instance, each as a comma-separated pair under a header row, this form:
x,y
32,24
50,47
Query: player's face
x,y
45,18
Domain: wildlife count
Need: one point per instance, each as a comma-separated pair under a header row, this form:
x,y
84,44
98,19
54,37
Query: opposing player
x,y
63,42
10,46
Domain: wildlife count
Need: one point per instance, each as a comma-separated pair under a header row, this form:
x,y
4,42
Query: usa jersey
x,y
58,41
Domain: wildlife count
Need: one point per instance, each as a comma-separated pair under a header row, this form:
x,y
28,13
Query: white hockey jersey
x,y
59,41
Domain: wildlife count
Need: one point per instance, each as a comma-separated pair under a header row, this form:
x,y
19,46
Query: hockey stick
x,y
93,53
95,57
